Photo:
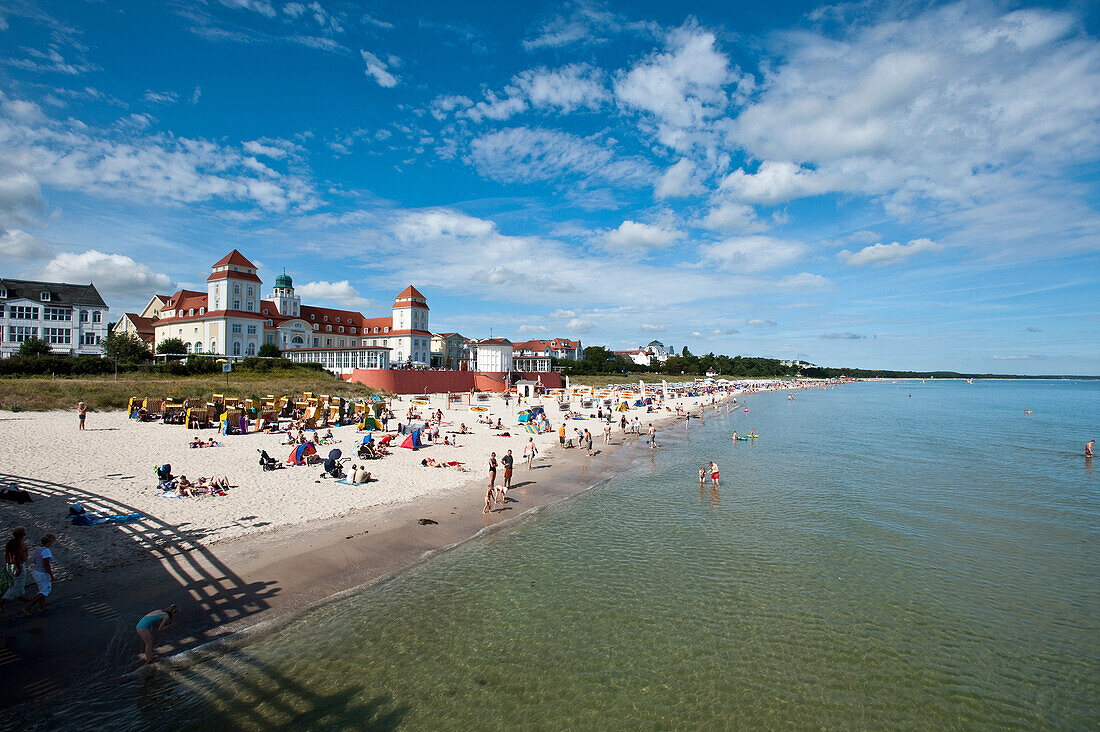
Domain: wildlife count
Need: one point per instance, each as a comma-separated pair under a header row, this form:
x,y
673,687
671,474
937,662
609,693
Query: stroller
x,y
267,462
333,469
165,481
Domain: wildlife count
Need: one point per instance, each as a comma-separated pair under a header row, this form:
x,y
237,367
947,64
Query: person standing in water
x,y
714,473
150,624
652,433
1088,448
702,475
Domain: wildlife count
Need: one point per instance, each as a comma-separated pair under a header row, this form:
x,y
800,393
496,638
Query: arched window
x,y
251,348
297,341
213,346
236,348
187,347
198,346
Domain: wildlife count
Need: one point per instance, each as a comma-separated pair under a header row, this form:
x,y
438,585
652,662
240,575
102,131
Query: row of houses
x,y
233,319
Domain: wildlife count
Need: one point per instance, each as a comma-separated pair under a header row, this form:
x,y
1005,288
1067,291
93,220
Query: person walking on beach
x,y
607,434
529,452
652,434
561,434
150,624
714,473
490,493
506,461
588,441
15,556
82,413
42,573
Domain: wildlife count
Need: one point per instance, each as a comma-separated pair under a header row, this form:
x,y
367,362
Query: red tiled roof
x,y
170,300
235,258
411,291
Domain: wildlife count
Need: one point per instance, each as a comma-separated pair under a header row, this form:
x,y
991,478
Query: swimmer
x,y
735,434
702,475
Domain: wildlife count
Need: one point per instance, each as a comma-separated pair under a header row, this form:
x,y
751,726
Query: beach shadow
x,y
261,697
209,594
520,485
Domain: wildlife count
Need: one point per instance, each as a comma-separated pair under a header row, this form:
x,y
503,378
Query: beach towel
x,y
91,518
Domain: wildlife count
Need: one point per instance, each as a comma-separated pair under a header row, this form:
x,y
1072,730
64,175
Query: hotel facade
x,y
232,318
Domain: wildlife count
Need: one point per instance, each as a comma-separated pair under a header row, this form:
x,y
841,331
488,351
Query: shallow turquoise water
x,y
874,560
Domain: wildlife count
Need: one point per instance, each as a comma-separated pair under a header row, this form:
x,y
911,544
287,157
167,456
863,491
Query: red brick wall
x,y
434,382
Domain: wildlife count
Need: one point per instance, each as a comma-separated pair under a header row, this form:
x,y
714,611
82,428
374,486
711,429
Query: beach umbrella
x,y
334,454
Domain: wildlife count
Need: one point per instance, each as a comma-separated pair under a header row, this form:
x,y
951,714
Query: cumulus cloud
x,y
733,217
526,329
633,236
652,328
580,325
339,293
845,336
521,154
112,274
378,69
564,90
682,89
882,254
19,246
678,181
777,182
959,111
128,163
753,253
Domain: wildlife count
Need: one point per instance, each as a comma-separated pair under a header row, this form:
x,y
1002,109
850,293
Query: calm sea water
x,y
873,560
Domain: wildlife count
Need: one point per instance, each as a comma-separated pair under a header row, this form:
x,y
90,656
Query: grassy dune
x,y
103,393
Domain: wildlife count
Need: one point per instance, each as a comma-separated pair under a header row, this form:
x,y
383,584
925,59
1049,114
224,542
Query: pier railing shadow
x,y
88,627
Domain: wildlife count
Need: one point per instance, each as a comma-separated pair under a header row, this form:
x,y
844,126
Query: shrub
x,y
270,350
34,347
171,345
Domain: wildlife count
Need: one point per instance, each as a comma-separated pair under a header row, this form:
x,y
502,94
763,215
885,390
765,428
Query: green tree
x,y
269,350
171,345
34,347
686,353
125,348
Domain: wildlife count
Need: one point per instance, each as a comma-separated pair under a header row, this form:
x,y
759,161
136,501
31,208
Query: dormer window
x,y
202,311
341,329
3,292
386,329
312,316
45,297
353,329
326,318
265,311
337,318
191,312
328,328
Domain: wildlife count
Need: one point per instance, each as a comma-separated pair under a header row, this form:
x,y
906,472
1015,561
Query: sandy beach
x,y
279,542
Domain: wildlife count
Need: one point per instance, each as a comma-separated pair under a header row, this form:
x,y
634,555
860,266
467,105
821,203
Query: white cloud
x,y
128,163
338,293
883,254
777,182
652,328
586,23
19,246
526,329
263,7
521,154
164,97
805,281
580,325
683,89
678,181
761,323
733,217
378,69
563,90
261,147
20,198
113,274
51,61
633,236
1028,357
960,112
753,253
845,336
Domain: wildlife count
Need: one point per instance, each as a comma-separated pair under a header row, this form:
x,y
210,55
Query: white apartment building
x,y
72,318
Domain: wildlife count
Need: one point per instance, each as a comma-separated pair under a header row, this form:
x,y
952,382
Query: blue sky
x,y
887,185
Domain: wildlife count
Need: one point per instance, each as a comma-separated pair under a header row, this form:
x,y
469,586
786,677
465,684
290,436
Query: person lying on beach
x,y
462,430
196,442
212,443
150,624
499,425
183,487
213,484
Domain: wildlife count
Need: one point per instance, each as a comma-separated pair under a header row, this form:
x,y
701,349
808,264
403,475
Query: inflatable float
x,y
478,408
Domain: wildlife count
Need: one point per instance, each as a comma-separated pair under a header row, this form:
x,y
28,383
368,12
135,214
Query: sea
x,y
884,555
